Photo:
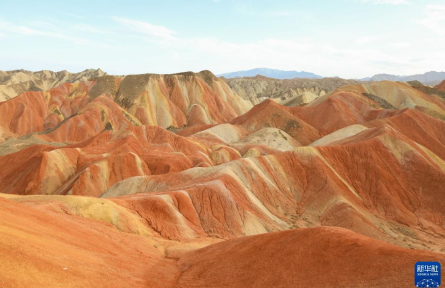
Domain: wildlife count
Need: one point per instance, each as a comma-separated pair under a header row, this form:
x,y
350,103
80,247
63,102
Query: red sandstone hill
x,y
91,166
45,249
357,104
72,251
271,114
316,257
441,86
322,185
81,110
96,177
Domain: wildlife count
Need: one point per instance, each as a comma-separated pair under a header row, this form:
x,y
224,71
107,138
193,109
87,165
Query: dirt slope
x,y
43,249
441,86
71,251
316,257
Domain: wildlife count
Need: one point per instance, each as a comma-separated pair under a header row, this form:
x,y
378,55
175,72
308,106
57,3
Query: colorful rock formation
x,y
82,110
120,181
13,83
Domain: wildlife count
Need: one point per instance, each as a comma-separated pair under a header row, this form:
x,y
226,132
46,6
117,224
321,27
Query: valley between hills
x,y
190,180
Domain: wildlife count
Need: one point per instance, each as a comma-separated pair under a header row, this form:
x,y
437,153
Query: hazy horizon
x,y
325,37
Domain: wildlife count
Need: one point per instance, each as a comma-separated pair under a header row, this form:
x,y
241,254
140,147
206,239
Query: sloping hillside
x,y
259,88
176,181
13,83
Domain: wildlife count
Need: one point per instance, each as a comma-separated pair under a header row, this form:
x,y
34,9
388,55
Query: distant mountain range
x,y
272,73
430,78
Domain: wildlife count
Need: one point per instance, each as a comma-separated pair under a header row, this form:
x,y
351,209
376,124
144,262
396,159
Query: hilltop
x,y
14,82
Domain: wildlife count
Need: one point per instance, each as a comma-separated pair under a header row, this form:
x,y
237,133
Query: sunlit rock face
x,y
136,173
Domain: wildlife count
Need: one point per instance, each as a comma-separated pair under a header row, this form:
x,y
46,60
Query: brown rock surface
x,y
44,249
315,257
71,251
121,180
441,86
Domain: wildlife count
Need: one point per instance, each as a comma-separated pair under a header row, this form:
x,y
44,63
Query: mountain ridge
x,y
15,82
272,73
151,168
431,78
259,88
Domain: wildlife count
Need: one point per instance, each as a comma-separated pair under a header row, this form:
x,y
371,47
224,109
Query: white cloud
x,y
392,2
43,25
74,15
178,52
296,54
268,48
212,46
434,18
365,39
280,13
25,30
146,28
285,13
400,45
87,28
287,54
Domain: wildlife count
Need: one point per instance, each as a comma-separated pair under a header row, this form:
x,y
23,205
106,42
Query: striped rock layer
x,y
136,174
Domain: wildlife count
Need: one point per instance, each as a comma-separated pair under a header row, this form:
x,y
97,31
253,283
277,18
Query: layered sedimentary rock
x,y
155,167
259,88
57,243
48,249
271,114
357,104
302,99
394,95
316,257
91,166
321,185
81,110
13,83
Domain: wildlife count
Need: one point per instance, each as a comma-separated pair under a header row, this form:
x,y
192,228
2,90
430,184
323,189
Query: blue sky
x,y
346,38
